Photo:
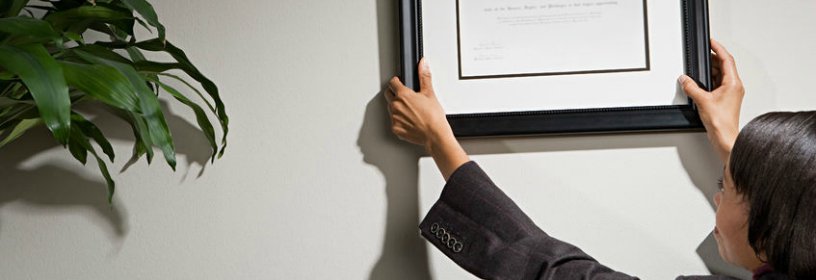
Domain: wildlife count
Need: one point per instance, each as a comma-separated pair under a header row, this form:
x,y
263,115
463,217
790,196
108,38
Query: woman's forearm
x,y
446,152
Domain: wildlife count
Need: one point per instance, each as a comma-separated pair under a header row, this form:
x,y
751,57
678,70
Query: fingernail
x,y
425,65
682,79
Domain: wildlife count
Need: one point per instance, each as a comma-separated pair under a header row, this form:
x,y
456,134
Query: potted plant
x,y
48,67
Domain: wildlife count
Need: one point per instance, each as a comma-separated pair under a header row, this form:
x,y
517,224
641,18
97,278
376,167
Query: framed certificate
x,y
525,67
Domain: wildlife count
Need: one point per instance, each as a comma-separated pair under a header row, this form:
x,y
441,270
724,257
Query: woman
x,y
766,207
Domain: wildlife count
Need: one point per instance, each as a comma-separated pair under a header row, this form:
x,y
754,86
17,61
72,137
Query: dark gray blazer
x,y
481,229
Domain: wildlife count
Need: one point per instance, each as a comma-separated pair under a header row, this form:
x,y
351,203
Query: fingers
x,y
396,86
394,107
401,125
399,132
425,83
389,95
716,72
726,61
715,65
692,89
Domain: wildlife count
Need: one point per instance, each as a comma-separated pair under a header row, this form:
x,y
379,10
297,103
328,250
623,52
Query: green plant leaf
x,y
201,116
101,52
78,19
148,13
159,68
8,102
74,37
30,28
102,82
44,78
150,108
138,124
106,174
82,145
5,102
120,31
13,88
141,148
187,66
183,64
12,114
136,56
177,78
11,8
136,121
6,76
19,129
90,130
77,149
67,4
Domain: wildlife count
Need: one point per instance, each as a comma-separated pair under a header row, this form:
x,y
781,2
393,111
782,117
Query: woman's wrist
x,y
722,140
443,146
437,141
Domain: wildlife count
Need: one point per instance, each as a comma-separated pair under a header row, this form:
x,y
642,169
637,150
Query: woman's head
x,y
772,173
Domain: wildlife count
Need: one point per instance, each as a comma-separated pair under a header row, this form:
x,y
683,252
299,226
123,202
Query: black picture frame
x,y
579,121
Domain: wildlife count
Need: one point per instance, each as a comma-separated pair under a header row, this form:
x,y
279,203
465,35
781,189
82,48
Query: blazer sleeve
x,y
481,229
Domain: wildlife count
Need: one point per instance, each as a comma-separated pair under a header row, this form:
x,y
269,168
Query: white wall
x,y
313,187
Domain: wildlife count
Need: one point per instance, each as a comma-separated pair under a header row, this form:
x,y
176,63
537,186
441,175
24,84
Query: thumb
x,y
425,84
692,89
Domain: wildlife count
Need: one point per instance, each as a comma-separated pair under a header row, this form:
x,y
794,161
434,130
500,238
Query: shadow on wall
x,y
698,159
54,186
51,186
404,254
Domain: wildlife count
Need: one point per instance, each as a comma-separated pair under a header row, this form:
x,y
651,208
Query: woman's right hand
x,y
719,109
418,118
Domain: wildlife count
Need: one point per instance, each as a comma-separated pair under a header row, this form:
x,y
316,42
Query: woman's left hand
x,y
720,108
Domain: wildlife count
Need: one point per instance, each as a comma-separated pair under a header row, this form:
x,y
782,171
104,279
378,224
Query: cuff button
x,y
458,246
440,232
446,237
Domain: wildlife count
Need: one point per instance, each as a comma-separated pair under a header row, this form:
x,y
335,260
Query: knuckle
x,y
734,84
729,57
740,88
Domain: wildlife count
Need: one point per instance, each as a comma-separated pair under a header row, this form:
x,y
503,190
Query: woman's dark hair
x,y
773,164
